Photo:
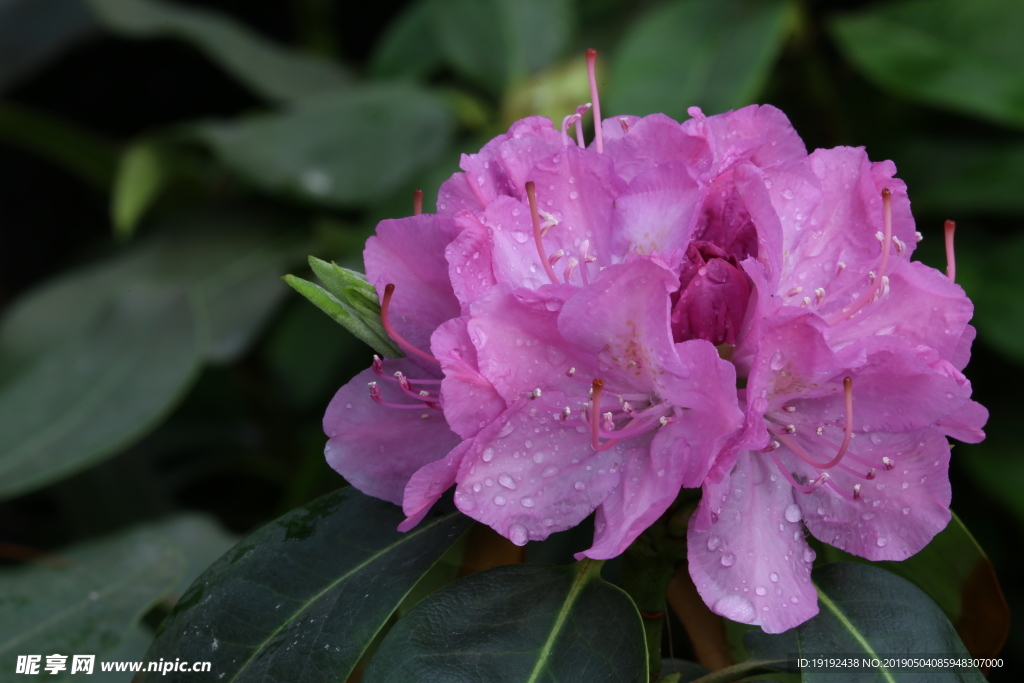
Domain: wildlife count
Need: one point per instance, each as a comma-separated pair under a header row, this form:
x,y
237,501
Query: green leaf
x,y
89,600
34,33
270,70
495,43
964,56
343,150
60,142
957,178
93,360
766,654
866,612
714,54
522,623
303,597
346,316
990,272
141,175
408,48
97,392
955,573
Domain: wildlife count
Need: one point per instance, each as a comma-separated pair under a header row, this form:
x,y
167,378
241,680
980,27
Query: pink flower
x,y
679,305
853,380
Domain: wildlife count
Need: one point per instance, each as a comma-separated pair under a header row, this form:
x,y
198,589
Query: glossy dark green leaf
x,y
33,33
91,361
965,56
97,392
270,70
990,272
342,149
303,597
764,654
956,178
518,623
60,142
955,573
89,600
866,611
495,43
408,48
714,54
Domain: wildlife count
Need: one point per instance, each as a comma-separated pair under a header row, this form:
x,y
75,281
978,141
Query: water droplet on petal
x,y
579,486
809,555
728,559
713,542
774,577
882,542
507,481
488,455
518,534
735,607
793,513
527,502
760,590
499,500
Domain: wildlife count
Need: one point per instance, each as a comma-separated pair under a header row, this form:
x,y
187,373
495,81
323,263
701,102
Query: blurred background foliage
x,y
163,164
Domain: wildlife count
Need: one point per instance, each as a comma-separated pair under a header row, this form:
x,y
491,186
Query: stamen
x,y
794,291
376,396
819,294
553,259
580,111
624,122
950,256
567,123
888,463
876,283
389,290
596,387
839,489
417,202
566,412
918,236
592,77
570,268
856,491
609,422
789,409
535,394
802,488
531,193
848,429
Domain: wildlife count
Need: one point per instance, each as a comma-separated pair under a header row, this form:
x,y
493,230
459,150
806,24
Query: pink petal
x,y
623,320
899,511
429,483
376,448
923,307
519,346
470,400
654,140
409,253
657,212
965,423
762,135
753,565
469,260
530,474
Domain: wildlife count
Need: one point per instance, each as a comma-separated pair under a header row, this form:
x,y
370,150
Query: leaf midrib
x,y
313,599
848,625
581,579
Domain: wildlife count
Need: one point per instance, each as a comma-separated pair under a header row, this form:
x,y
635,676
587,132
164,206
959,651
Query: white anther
x,y
566,412
889,464
791,429
372,385
663,420
899,244
823,478
627,408
789,409
856,491
839,267
424,393
571,268
794,291
819,294
806,302
535,393
624,122
918,236
774,445
570,372
553,259
609,422
880,236
820,431
871,277
424,416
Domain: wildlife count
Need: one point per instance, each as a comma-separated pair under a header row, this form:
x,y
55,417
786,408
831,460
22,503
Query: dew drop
x,y
793,513
499,500
761,590
882,542
527,502
507,481
579,486
735,607
906,511
714,542
488,455
518,534
728,559
774,577
809,555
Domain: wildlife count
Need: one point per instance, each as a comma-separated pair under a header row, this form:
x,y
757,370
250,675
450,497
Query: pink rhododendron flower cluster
x,y
704,304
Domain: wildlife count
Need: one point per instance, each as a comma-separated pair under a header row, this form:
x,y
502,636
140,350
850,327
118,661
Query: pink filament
x,y
802,488
869,295
847,437
531,194
376,396
399,339
417,202
592,77
950,256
